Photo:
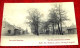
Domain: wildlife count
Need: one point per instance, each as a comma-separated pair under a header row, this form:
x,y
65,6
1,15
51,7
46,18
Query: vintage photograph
x,y
38,24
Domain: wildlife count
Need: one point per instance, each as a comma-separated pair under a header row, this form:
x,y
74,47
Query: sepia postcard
x,y
39,24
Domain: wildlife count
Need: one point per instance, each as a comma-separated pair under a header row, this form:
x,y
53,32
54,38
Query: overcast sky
x,y
16,13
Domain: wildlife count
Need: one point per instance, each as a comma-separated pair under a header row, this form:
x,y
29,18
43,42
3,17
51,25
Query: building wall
x,y
5,27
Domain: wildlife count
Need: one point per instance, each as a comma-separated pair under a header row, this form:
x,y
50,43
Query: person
x,y
47,31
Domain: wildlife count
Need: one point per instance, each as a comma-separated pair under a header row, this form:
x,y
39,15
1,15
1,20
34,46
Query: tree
x,y
53,19
62,16
57,17
34,17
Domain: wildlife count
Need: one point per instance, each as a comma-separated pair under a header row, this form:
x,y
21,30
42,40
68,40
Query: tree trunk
x,y
58,29
60,20
37,29
53,29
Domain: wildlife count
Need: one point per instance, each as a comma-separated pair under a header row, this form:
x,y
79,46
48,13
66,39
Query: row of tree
x,y
56,17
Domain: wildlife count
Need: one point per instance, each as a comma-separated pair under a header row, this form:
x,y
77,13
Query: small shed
x,y
72,30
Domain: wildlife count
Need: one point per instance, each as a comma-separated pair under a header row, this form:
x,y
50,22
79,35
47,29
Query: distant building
x,y
8,29
72,30
65,30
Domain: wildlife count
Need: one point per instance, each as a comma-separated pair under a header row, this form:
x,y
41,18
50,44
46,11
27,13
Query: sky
x,y
16,13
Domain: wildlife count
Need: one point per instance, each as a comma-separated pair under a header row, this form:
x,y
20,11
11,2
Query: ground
x,y
32,40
